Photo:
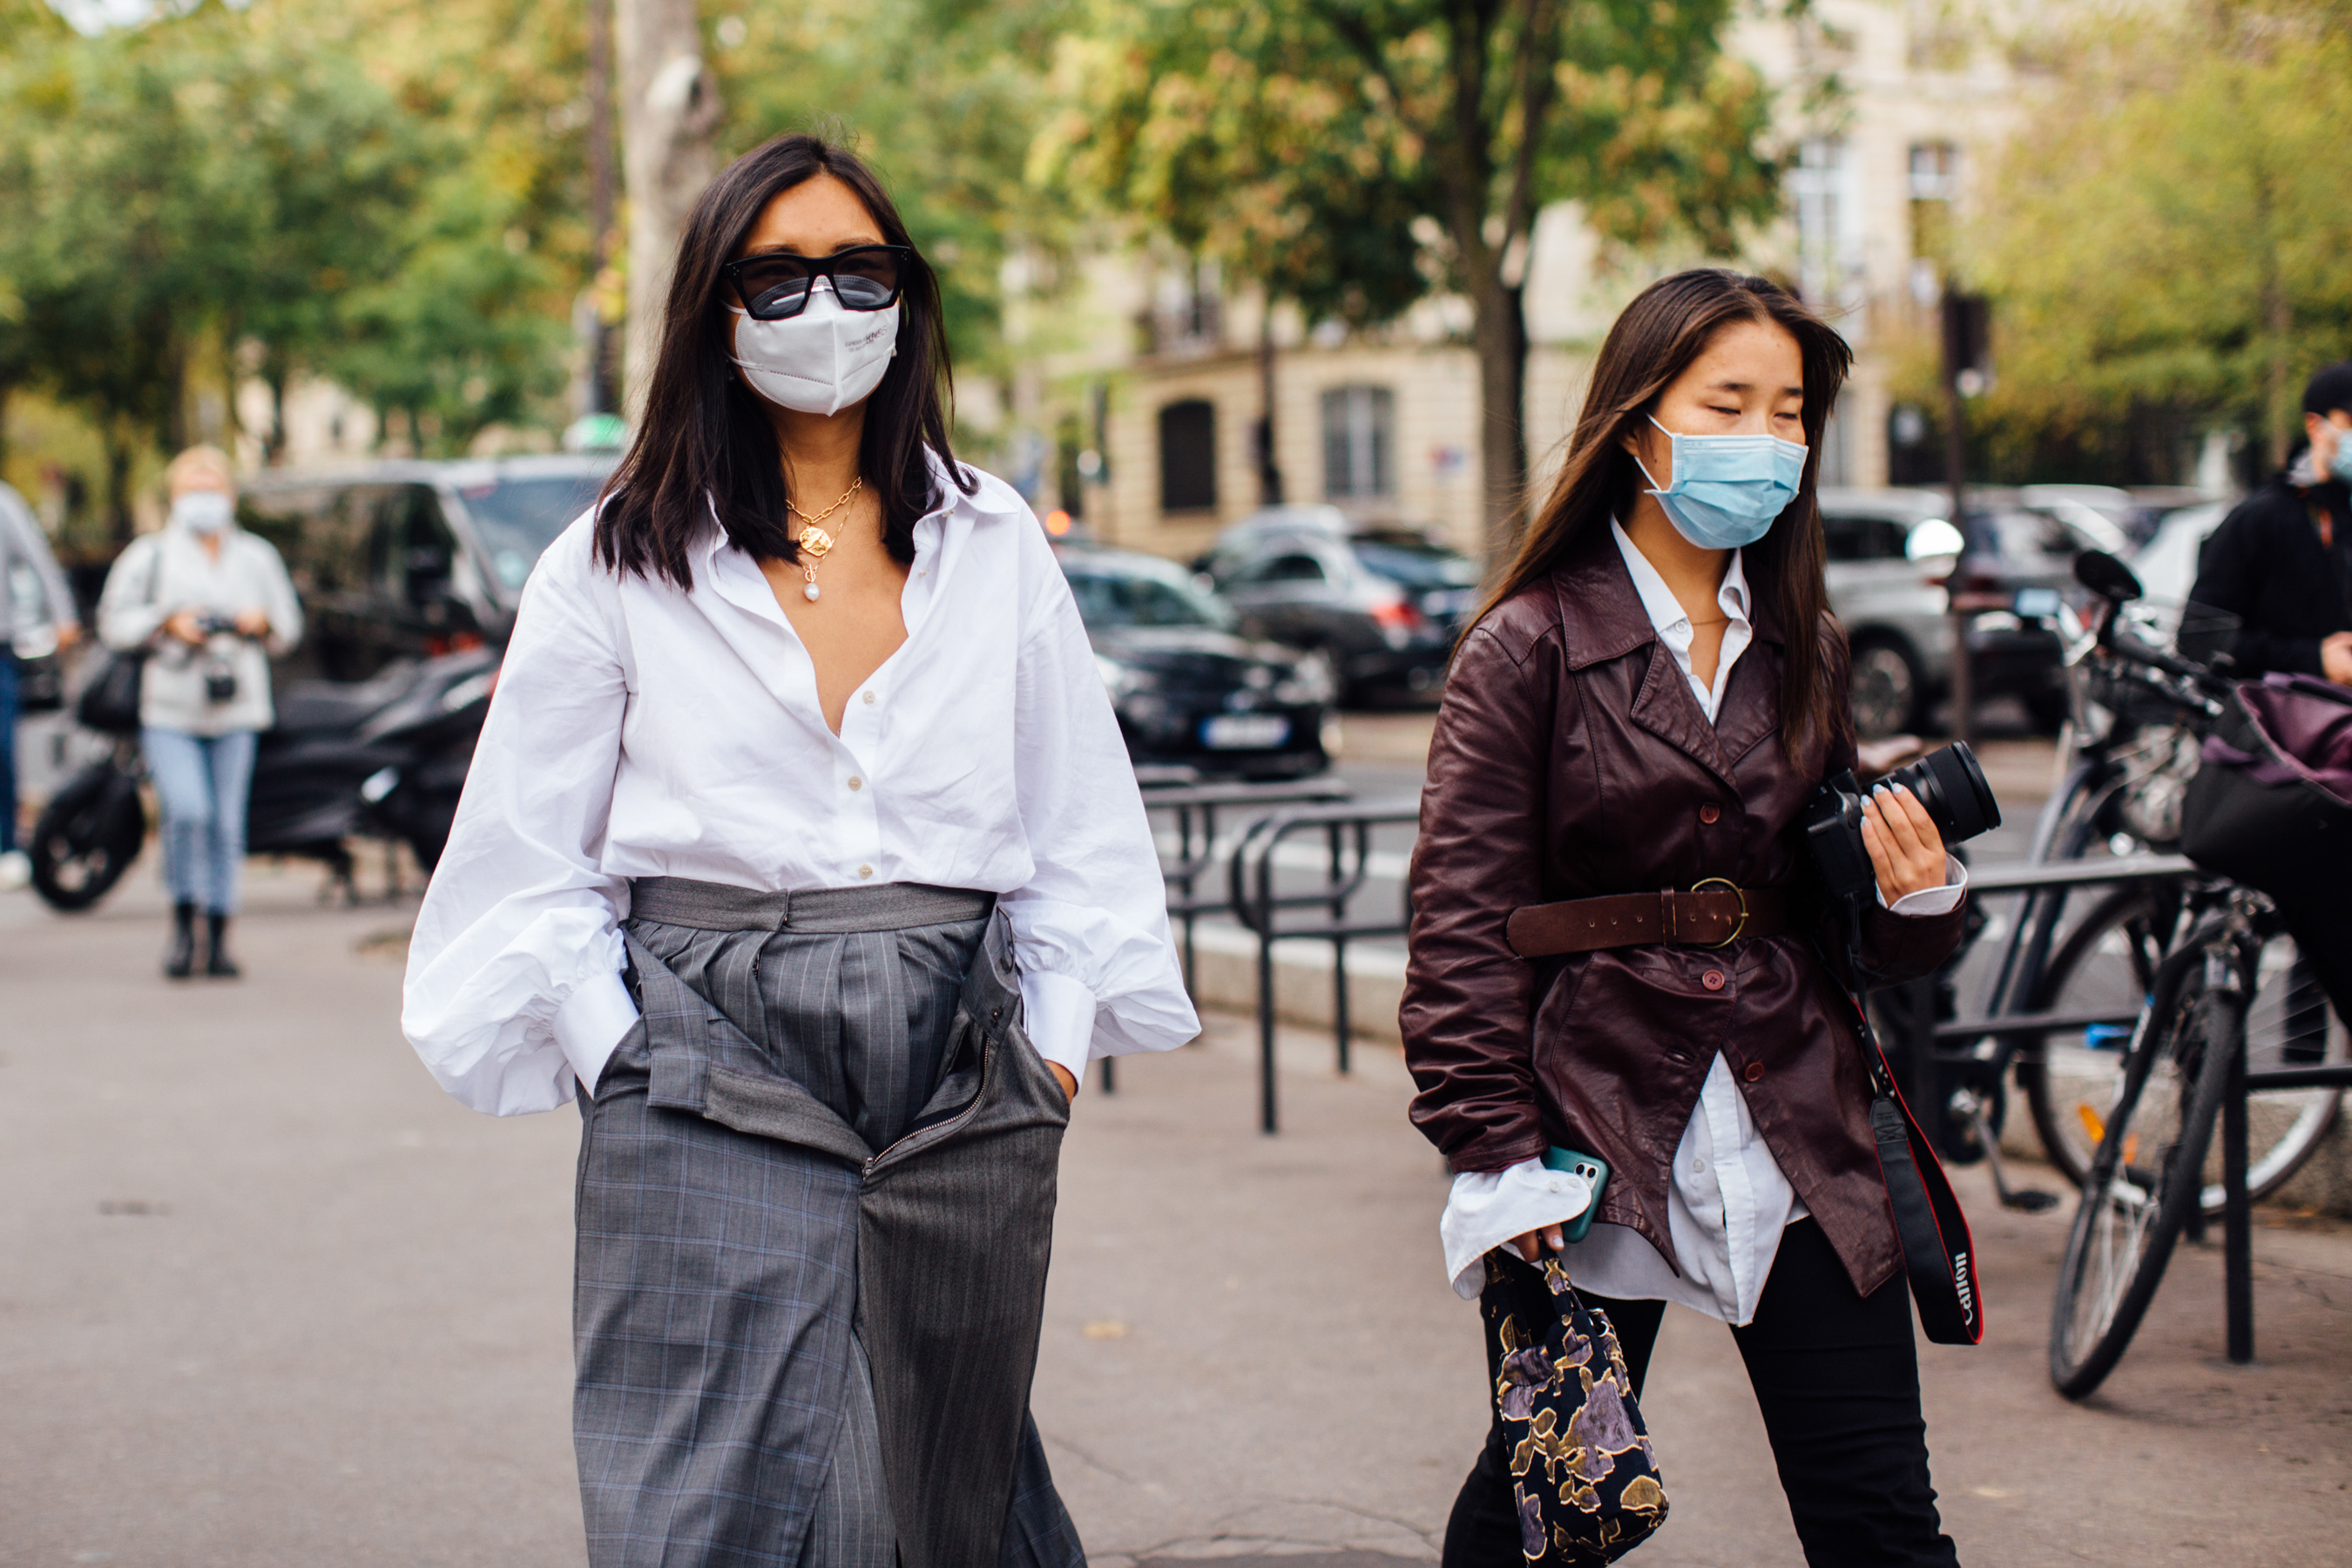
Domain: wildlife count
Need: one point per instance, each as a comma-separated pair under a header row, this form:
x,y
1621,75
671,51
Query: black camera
x,y
220,683
1948,783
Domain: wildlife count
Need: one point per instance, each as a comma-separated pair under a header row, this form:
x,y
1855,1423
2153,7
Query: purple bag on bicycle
x,y
2272,806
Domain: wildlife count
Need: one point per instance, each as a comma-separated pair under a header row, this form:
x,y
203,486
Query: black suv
x,y
409,560
1193,698
1382,600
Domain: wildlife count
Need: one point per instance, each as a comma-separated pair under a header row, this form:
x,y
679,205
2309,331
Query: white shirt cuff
x,y
590,1023
1940,900
1488,1209
1059,1013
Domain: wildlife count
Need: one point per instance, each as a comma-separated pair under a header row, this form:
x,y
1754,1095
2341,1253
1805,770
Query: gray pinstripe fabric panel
x,y
725,1414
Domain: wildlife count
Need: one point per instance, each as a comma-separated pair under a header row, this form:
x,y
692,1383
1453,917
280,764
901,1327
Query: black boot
x,y
179,958
217,963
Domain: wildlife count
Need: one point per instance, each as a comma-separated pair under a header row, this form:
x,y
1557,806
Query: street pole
x,y
669,108
1270,471
600,399
1956,359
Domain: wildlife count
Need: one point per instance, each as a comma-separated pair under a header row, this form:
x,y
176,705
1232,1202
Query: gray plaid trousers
x,y
814,1207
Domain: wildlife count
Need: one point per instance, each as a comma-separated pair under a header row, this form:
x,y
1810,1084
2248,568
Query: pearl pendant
x,y
809,592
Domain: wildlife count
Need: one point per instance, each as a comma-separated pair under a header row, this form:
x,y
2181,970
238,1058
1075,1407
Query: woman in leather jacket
x,y
1642,708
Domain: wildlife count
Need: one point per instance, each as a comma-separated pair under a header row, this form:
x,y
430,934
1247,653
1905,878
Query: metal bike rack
x,y
1923,1035
1195,807
1347,840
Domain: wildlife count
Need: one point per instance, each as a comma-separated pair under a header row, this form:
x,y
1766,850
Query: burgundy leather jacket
x,y
1571,760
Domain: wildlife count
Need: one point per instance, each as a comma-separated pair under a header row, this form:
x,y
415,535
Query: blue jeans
x,y
201,783
7,751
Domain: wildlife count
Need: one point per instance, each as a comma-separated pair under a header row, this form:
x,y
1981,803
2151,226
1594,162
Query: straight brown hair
x,y
1667,326
704,445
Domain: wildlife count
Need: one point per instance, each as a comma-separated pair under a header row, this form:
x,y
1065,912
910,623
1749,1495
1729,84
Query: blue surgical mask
x,y
2339,467
202,512
1727,489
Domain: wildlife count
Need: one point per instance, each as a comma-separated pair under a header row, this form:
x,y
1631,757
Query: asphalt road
x,y
270,1299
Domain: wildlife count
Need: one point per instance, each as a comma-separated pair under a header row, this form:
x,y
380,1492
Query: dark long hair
x,y
704,443
1667,326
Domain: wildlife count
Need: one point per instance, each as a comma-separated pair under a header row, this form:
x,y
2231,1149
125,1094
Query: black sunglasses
x,y
776,285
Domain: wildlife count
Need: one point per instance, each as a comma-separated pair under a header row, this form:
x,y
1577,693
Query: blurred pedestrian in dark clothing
x,y
2281,562
23,549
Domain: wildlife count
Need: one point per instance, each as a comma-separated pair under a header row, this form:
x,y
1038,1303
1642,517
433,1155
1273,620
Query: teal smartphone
x,y
1593,1169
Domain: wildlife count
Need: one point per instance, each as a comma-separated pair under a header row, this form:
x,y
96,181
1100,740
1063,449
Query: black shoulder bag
x,y
109,702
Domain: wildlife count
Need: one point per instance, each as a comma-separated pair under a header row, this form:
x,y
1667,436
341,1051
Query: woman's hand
x,y
253,623
186,628
1906,850
1533,1245
1062,1076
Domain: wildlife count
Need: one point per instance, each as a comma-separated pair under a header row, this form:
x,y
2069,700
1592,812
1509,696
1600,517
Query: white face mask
x,y
822,359
202,512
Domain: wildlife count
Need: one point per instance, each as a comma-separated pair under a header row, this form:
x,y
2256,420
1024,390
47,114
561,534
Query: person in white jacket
x,y
801,842
209,603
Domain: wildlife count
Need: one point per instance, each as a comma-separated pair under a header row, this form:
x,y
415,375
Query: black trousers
x,y
1836,1376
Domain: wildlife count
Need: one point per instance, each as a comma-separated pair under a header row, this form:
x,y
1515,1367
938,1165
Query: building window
x,y
1187,456
1359,441
1828,242
1934,187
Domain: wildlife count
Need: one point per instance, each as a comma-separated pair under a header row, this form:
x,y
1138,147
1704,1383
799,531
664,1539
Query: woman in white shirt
x,y
802,837
210,603
1614,948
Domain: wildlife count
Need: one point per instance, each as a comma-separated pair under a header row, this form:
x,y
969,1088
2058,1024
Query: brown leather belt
x,y
1712,914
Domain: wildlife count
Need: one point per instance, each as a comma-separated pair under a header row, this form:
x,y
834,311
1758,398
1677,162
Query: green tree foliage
x,y
219,183
1305,142
2169,239
943,97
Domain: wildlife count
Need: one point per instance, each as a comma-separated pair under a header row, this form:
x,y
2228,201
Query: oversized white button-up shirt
x,y
1729,1200
641,730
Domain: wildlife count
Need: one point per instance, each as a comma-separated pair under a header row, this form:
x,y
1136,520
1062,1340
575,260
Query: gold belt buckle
x,y
1736,891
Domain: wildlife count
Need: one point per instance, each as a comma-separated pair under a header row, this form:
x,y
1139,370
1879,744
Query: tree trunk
x,y
1499,332
669,106
1269,466
118,478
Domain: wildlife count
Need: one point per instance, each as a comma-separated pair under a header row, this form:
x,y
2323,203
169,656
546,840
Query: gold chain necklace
x,y
813,540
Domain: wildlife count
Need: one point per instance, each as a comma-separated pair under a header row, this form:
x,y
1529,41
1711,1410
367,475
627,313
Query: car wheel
x,y
1884,689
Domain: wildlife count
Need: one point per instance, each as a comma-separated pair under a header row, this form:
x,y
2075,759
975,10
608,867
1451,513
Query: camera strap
x,y
1937,1253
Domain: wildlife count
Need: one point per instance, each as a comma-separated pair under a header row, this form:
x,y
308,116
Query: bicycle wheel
x,y
2145,1180
2070,1079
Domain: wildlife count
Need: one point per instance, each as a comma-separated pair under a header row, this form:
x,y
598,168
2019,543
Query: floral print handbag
x,y
1585,1478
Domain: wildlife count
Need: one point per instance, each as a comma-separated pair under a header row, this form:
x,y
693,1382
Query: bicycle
x,y
2141,715
2153,1175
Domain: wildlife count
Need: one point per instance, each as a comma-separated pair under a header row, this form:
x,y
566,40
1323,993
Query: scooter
x,y
385,759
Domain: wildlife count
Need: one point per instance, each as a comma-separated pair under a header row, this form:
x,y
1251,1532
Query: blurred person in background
x,y
1645,703
802,844
2281,562
209,603
23,550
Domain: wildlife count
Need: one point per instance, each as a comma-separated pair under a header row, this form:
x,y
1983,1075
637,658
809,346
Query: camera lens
x,y
1950,784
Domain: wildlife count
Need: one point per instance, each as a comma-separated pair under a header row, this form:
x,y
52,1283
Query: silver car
x,y
1888,553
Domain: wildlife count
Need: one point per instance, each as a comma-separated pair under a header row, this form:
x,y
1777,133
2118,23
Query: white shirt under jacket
x,y
639,730
1729,1201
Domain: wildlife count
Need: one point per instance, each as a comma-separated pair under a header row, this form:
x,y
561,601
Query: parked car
x,y
1383,602
1893,556
1194,697
413,560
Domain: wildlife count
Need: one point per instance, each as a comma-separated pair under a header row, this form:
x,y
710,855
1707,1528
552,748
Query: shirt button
x,y
869,699
1709,813
865,870
1712,980
1698,1167
856,782
1755,1070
